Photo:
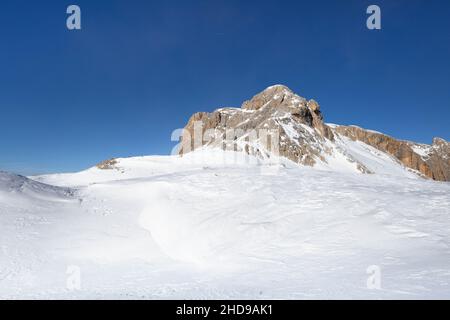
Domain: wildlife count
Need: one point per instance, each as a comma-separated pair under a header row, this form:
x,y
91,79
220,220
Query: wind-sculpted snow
x,y
19,185
202,226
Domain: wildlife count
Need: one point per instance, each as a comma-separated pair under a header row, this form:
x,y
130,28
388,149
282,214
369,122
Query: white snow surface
x,y
422,150
347,153
204,226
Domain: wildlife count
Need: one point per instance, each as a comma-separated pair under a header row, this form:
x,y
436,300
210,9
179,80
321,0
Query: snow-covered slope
x,y
348,155
12,185
204,226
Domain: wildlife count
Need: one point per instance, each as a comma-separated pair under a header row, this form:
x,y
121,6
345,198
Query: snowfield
x,y
208,226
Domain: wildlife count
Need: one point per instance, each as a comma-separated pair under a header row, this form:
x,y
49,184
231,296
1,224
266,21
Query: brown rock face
x,y
279,122
431,161
439,159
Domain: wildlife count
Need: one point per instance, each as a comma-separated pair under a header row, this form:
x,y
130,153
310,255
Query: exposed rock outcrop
x,y
438,159
107,164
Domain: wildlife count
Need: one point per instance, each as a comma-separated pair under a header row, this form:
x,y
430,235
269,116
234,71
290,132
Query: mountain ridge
x,y
303,136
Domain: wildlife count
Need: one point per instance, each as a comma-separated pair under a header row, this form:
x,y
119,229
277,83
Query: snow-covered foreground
x,y
170,227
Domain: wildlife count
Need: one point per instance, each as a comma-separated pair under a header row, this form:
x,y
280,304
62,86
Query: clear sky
x,y
138,69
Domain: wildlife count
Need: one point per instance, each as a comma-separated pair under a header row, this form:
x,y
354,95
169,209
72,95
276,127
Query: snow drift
x,y
208,226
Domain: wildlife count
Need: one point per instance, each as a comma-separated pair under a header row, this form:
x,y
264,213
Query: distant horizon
x,y
175,142
31,173
137,71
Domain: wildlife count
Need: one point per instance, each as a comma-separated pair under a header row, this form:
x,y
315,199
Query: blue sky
x,y
138,69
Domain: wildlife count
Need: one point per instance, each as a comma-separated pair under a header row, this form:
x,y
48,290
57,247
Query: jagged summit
x,y
304,138
273,96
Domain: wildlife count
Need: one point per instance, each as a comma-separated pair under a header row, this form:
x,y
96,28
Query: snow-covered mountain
x,y
307,222
278,121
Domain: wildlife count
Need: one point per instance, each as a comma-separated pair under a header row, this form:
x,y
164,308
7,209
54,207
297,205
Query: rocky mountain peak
x,y
301,132
274,97
440,142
